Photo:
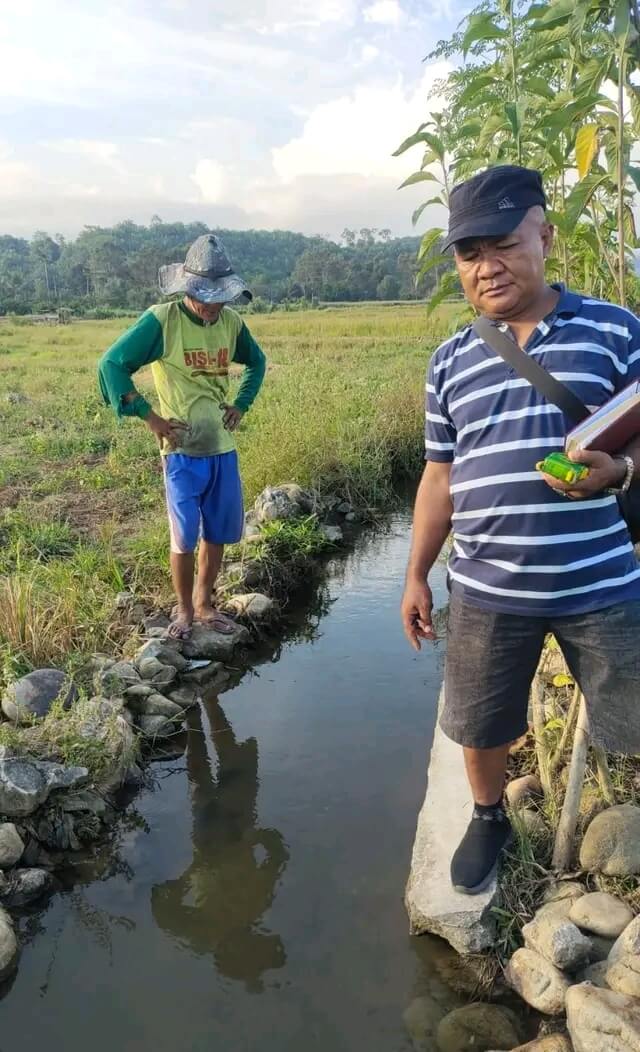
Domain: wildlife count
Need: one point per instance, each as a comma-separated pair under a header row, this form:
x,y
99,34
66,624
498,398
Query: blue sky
x,y
269,113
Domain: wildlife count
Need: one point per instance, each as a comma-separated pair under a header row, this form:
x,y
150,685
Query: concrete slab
x,y
465,921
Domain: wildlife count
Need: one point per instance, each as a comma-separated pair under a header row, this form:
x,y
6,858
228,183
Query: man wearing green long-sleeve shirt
x,y
189,346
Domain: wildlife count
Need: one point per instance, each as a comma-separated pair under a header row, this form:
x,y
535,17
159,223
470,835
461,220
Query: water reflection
x,y
216,907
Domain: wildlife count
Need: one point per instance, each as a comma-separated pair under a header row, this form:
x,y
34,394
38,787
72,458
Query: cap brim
x,y
495,225
174,279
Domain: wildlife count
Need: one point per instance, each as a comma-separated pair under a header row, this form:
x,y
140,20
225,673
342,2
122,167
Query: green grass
x,y
81,496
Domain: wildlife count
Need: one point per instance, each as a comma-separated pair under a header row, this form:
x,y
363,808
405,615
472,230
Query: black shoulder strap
x,y
527,367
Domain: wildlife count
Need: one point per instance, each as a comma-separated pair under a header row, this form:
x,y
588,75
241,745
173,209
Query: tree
x,y
48,252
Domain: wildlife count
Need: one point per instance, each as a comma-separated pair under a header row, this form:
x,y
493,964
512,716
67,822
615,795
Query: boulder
x,y
31,697
11,846
25,784
287,501
115,680
602,1021
21,887
187,697
557,939
537,981
8,946
480,1027
623,975
611,844
564,889
156,726
601,914
520,790
253,605
164,651
628,942
204,642
332,534
157,705
596,974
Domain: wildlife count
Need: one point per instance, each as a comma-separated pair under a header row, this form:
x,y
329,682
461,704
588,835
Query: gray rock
x,y
164,652
350,516
521,790
253,605
205,643
156,622
344,508
424,1014
21,887
628,942
115,680
8,946
465,921
557,939
600,947
479,1027
623,975
138,690
156,726
86,800
611,844
150,667
25,784
157,705
602,1021
98,662
187,697
537,981
103,721
246,574
601,914
596,973
252,533
333,534
11,846
564,889
32,696
287,501
164,679
212,677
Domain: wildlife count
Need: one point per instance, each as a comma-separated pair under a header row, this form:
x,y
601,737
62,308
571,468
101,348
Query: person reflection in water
x,y
216,906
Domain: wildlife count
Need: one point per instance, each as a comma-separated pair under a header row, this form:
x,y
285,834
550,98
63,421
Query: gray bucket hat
x,y
206,274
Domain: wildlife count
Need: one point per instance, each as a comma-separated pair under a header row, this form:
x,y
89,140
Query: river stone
x,y
165,678
106,721
11,845
25,784
600,947
520,790
564,889
116,679
253,605
602,1021
287,501
596,973
539,983
21,887
86,800
611,844
423,1015
204,642
480,1027
8,946
601,914
187,697
163,651
157,705
138,690
32,696
333,534
211,678
156,726
557,939
623,975
628,942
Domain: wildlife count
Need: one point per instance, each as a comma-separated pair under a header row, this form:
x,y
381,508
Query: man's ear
x,y
548,234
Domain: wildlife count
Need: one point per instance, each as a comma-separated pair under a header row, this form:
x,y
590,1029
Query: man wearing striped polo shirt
x,y
530,554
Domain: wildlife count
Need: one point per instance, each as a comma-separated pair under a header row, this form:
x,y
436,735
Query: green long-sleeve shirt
x,y
190,365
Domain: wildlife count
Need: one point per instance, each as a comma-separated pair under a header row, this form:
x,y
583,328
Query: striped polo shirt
x,y
517,545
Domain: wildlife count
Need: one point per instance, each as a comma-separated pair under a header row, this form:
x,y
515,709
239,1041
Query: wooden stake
x,y
565,834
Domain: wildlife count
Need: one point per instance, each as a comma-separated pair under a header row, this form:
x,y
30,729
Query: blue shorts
x,y
204,499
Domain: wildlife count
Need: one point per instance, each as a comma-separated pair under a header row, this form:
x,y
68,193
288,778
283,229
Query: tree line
x,y
554,86
115,268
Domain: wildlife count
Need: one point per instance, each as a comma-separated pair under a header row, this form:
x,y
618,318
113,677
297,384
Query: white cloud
x,y
385,13
211,179
107,153
358,133
369,52
16,177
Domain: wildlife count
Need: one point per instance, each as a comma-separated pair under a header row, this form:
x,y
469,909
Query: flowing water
x,y
252,899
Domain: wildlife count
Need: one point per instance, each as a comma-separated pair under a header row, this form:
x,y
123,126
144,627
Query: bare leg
x,y
182,566
486,770
209,563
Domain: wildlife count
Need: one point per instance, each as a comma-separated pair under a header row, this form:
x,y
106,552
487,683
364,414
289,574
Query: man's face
x,y
208,312
502,276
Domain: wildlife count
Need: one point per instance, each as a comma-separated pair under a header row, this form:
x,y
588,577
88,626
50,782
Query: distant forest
x,y
115,268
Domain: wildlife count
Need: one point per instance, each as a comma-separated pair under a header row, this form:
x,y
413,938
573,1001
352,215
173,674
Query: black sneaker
x,y
475,861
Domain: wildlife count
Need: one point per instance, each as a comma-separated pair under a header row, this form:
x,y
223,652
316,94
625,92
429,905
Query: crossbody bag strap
x,y
526,366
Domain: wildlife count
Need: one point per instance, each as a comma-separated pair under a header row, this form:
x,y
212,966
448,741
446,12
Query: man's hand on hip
x,y
171,431
604,471
415,609
232,416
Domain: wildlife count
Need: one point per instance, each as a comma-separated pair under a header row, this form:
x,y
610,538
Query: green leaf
x,y
495,122
436,144
418,212
478,84
629,223
634,173
586,148
481,27
592,74
560,11
622,20
469,129
430,263
428,158
578,200
429,239
539,86
418,177
447,285
413,140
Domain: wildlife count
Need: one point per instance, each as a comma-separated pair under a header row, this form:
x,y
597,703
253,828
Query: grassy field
x,y
81,501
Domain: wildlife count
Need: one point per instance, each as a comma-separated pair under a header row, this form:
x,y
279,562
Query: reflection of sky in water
x,y
254,899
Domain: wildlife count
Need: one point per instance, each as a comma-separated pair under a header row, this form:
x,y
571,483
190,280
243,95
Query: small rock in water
x,y
478,1027
254,605
211,677
560,941
11,845
24,886
25,784
8,946
539,983
156,726
623,975
602,1020
564,889
32,696
424,1014
332,533
628,942
520,790
611,844
601,914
